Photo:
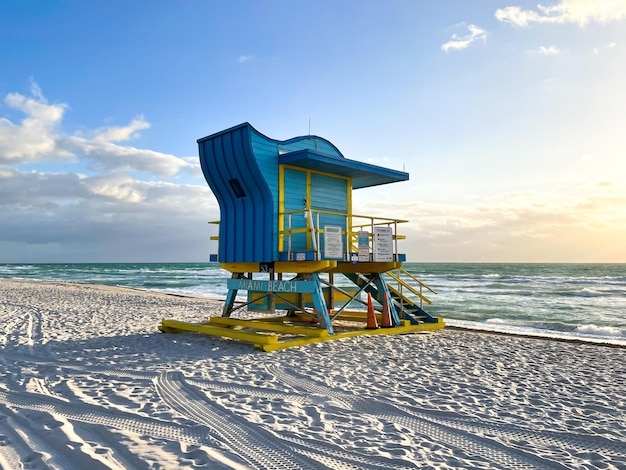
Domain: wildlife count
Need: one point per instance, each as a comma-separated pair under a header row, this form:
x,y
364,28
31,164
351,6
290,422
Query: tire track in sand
x,y
93,414
519,436
40,448
258,446
546,438
495,452
18,328
516,437
14,451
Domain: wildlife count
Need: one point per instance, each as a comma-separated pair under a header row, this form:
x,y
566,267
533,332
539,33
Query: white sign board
x,y
364,246
383,244
333,242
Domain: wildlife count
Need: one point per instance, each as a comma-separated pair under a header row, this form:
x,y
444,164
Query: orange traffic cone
x,y
385,319
372,324
314,317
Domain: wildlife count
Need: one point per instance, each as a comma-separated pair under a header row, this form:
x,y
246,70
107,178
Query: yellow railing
x,y
403,285
215,237
355,225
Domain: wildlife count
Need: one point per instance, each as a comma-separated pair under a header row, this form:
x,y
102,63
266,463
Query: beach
x,y
88,381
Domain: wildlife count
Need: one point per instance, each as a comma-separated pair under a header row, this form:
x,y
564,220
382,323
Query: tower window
x,y
237,189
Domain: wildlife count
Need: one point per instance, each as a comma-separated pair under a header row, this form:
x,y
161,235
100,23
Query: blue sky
x,y
509,117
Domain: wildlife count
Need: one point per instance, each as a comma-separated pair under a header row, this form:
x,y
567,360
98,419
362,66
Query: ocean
x,y
584,302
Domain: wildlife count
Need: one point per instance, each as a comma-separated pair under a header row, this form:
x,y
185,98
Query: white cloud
x,y
121,133
119,187
37,138
69,217
581,12
112,157
245,58
61,214
549,50
463,42
600,49
523,226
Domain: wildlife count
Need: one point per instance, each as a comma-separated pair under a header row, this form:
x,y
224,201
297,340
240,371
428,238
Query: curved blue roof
x,y
321,155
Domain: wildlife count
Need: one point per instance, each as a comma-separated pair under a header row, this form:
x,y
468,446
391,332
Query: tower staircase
x,y
404,290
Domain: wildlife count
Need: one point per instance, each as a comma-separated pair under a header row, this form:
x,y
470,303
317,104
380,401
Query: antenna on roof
x,y
314,140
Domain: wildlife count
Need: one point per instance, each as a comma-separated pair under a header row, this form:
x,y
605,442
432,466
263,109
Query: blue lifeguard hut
x,y
286,229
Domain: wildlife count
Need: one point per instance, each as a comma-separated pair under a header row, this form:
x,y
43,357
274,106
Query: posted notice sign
x,y
383,244
364,246
333,242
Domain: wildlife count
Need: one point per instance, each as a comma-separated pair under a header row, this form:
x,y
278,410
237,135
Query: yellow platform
x,y
271,334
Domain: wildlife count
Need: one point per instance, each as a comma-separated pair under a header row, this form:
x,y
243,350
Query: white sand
x,y
89,382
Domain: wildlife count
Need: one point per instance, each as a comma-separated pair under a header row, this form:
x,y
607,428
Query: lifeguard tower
x,y
287,233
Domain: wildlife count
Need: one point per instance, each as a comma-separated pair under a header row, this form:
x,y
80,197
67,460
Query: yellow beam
x,y
283,266
304,266
368,267
260,325
256,338
398,330
241,267
353,316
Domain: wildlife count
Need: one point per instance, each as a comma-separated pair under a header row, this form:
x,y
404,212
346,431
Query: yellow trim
x,y
283,266
296,230
384,220
308,207
349,221
304,266
316,211
371,267
241,267
281,207
299,168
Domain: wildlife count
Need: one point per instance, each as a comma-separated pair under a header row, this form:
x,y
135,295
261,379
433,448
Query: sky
x,y
509,117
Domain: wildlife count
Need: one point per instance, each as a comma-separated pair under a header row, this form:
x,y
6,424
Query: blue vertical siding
x,y
330,194
245,222
294,194
266,153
